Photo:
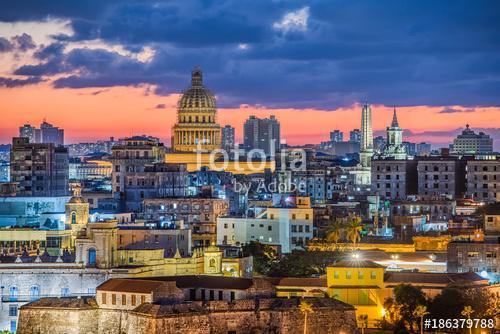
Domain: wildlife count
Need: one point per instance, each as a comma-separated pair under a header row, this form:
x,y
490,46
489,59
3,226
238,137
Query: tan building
x,y
100,246
77,213
196,126
199,213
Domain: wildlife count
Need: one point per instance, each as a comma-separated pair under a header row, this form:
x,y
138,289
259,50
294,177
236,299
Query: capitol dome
x,y
196,126
196,96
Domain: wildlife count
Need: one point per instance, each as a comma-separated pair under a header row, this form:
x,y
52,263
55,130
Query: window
x,y
91,256
294,216
103,297
473,254
221,297
373,275
65,292
143,299
269,228
12,310
336,274
13,293
113,299
13,326
348,274
34,292
360,275
133,300
124,299
73,217
232,297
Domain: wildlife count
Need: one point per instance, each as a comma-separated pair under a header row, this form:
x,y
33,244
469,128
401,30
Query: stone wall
x,y
271,315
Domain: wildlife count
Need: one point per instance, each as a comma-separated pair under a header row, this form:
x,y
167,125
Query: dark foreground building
x,y
185,304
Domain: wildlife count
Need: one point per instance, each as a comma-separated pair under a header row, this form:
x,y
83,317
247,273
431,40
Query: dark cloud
x,y
450,110
11,83
387,52
23,42
5,45
160,106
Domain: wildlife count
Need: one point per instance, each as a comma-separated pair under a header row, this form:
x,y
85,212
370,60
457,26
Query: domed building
x,y
196,126
196,136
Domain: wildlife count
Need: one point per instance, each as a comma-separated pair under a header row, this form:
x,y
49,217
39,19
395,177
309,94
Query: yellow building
x,y
77,213
359,283
196,126
196,139
97,246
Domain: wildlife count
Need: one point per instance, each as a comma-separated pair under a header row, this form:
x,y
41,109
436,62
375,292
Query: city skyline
x,y
308,64
82,128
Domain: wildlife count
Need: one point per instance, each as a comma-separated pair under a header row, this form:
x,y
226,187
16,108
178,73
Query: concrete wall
x,y
50,282
244,316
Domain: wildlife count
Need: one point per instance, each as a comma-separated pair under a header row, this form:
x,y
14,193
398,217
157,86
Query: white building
x,y
286,226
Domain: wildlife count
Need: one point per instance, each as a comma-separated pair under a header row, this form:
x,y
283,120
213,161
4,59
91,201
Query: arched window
x,y
13,293
34,293
212,263
91,258
73,217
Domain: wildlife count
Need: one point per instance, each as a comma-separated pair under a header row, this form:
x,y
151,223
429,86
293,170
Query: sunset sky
x,y
116,68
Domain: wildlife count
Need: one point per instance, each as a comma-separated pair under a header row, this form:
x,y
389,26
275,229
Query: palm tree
x,y
354,229
467,312
421,312
305,307
334,230
363,321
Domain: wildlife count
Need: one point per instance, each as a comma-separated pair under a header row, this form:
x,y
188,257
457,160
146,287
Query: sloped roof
x,y
297,281
356,264
432,278
204,281
130,285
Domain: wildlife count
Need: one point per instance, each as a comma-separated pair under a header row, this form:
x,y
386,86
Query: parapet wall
x,y
273,315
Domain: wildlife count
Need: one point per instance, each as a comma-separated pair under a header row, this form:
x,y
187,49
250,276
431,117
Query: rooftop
x,y
433,278
356,264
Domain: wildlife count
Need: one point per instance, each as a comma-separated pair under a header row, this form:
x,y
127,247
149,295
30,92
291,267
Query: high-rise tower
x,y
366,151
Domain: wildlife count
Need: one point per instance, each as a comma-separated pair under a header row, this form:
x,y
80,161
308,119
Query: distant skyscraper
x,y
30,132
51,134
355,136
471,143
47,133
394,147
379,144
411,148
423,149
228,140
39,169
366,151
336,136
263,134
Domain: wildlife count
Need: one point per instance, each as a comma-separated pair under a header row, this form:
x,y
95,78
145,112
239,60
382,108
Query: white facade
x,y
288,228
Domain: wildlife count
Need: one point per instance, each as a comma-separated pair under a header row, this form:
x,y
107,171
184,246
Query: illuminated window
x,y
348,274
336,274
373,275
